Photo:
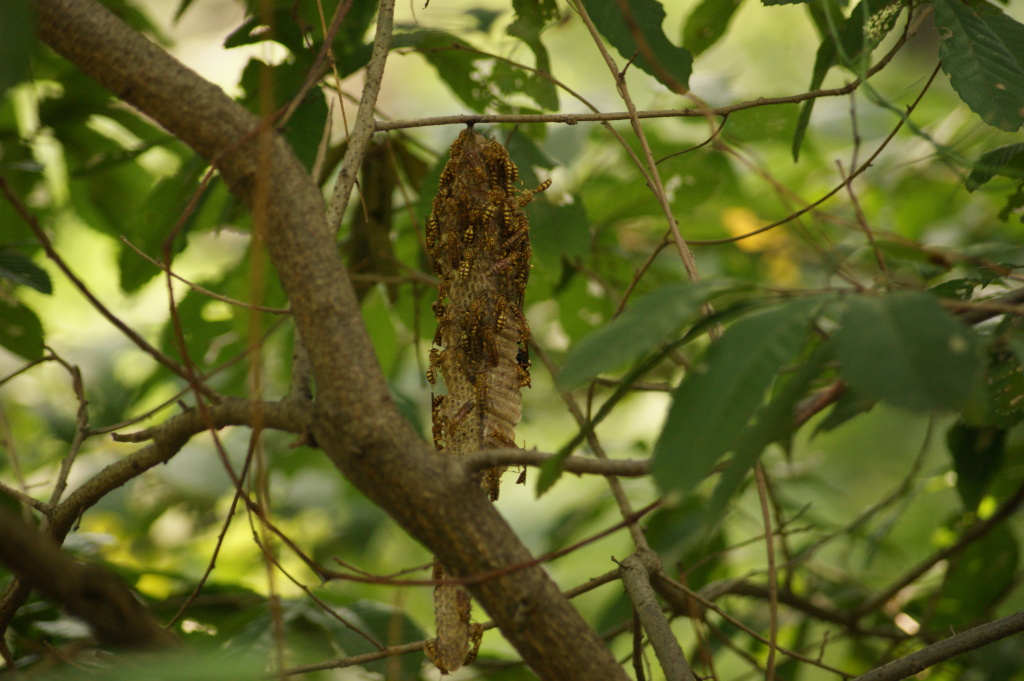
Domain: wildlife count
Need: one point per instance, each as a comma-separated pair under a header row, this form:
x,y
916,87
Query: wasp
x,y
500,314
490,347
435,361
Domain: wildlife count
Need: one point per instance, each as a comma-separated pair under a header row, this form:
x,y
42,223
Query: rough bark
x,y
355,421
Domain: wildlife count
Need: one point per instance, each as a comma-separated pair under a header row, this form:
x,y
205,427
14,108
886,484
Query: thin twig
x,y
52,254
621,498
957,644
364,126
773,585
199,289
623,468
654,177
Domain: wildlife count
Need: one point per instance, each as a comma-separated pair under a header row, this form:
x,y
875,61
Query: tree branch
x,y
88,592
961,643
622,468
363,128
645,604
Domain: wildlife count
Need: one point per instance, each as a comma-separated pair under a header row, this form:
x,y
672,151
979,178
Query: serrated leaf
x,y
647,17
978,454
20,330
21,270
639,329
854,40
982,52
718,397
1007,161
707,23
905,349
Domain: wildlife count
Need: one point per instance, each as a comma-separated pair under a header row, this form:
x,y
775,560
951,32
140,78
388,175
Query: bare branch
x,y
645,604
622,468
943,650
364,124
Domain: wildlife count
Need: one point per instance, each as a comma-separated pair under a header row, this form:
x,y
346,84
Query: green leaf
x,y
646,17
717,399
976,580
17,36
769,3
305,127
639,329
456,62
183,6
558,232
1007,161
21,270
858,36
849,405
905,349
982,52
531,16
997,401
20,330
707,23
978,454
771,423
157,219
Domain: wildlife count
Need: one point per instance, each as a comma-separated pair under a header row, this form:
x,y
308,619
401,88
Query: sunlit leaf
x,y
646,17
162,212
531,18
982,52
718,397
905,349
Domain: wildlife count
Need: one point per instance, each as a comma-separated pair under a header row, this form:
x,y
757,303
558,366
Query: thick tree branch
x,y
355,419
86,591
167,440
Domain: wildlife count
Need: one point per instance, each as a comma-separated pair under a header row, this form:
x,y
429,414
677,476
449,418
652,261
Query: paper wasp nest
x,y
479,243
